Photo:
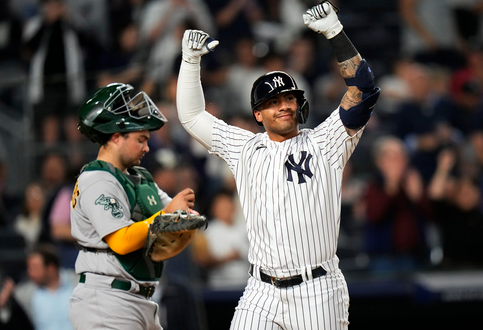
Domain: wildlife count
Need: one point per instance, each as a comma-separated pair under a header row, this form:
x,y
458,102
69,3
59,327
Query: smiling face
x,y
278,115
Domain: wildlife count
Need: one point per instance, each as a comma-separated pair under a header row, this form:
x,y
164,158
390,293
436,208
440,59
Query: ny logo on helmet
x,y
277,82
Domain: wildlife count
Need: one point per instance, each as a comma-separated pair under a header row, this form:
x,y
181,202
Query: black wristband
x,y
343,47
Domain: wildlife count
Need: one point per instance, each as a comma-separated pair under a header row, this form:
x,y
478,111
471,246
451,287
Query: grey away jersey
x,y
302,173
100,206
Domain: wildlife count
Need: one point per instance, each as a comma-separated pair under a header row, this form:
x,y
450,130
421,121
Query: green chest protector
x,y
144,202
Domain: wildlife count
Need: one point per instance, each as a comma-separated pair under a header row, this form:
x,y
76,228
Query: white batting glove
x,y
322,18
195,44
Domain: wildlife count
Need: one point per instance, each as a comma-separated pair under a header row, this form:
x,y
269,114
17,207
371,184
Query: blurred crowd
x,y
412,191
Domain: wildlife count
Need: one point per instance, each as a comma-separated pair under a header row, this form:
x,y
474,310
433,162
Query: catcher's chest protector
x,y
144,201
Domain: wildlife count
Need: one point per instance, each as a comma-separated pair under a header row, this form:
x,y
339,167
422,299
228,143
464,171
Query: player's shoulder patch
x,y
110,204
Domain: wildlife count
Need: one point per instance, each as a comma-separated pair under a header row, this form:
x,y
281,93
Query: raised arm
x,y
361,96
190,100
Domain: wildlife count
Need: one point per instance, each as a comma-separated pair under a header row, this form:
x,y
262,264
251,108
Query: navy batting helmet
x,y
274,83
114,109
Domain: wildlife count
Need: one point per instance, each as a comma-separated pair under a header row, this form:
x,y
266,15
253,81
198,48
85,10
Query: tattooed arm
x,y
353,96
358,102
348,70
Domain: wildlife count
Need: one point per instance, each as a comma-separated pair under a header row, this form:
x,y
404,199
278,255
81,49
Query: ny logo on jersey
x,y
110,203
301,168
277,82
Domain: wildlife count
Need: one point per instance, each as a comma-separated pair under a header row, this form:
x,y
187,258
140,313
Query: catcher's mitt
x,y
170,233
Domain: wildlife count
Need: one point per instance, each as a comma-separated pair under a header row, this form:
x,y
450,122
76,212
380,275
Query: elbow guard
x,y
358,115
364,79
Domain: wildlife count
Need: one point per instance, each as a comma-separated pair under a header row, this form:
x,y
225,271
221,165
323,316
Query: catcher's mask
x,y
114,109
274,83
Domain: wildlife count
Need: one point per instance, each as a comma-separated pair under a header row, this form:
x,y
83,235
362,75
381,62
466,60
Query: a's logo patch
x,y
301,168
110,203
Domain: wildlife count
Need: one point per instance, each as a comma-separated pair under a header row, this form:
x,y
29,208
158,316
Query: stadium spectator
x,y
234,20
12,315
456,197
54,171
60,226
429,33
423,120
123,61
57,83
223,249
397,210
45,295
28,223
12,66
246,67
466,88
162,24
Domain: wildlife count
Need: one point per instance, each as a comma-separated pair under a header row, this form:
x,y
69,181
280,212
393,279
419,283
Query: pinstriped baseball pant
x,y
319,304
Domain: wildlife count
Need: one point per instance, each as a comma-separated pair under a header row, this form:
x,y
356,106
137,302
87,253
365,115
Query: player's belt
x,y
145,291
284,282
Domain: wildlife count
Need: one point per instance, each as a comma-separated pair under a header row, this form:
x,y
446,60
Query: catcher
x,y
124,225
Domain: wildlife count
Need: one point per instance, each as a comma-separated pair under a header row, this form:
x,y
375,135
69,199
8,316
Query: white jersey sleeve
x,y
190,103
228,142
332,137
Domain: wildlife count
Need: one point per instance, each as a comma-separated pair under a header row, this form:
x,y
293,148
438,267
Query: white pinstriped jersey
x,y
289,192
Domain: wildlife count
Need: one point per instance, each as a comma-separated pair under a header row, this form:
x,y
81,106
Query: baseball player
x,y
114,206
288,180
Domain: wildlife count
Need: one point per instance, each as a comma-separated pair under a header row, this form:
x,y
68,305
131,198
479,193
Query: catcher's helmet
x,y
274,83
113,109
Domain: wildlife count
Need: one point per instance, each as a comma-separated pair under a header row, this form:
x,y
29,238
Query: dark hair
x,y
222,192
48,252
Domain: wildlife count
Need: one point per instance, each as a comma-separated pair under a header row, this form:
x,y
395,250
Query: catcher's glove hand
x,y
170,233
